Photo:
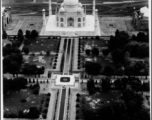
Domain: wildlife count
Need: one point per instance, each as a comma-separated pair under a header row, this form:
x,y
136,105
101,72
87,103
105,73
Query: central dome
x,y
71,2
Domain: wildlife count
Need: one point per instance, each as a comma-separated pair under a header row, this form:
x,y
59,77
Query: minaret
x,y
85,10
96,20
43,12
50,8
93,9
10,13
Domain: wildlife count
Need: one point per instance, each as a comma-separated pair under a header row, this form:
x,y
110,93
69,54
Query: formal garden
x,y
46,61
22,99
121,99
95,101
121,55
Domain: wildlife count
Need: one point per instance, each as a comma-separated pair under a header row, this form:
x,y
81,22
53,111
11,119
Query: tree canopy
x,y
92,68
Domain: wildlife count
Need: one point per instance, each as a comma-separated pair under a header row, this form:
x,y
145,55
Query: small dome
x,y
62,4
70,2
62,9
79,9
80,5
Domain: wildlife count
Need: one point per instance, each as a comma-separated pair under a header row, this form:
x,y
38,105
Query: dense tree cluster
x,y
141,37
93,52
118,41
91,86
137,68
10,49
139,50
4,35
35,88
92,68
121,43
128,107
13,84
31,34
12,63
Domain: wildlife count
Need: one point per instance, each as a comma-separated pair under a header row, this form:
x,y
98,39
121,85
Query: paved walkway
x,y
51,104
62,104
73,104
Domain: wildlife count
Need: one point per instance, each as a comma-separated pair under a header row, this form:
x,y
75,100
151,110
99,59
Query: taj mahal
x,y
70,19
70,14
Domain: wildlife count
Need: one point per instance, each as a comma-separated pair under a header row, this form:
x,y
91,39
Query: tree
x,y
143,114
95,51
26,50
18,83
97,38
92,68
108,71
26,41
10,49
117,32
28,34
33,113
105,52
145,87
88,52
20,35
4,35
118,84
119,40
106,112
6,86
91,86
118,56
105,84
12,63
141,37
120,110
34,34
47,52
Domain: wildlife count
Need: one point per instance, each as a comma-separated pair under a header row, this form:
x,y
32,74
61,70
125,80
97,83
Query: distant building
x,y
140,19
6,17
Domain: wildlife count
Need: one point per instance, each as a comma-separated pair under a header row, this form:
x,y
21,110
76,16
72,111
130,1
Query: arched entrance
x,y
70,22
7,20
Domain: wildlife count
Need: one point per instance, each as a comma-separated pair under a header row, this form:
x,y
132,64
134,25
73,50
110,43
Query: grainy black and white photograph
x,y
75,59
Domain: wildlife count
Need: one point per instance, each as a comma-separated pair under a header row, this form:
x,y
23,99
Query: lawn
x,y
96,43
117,23
45,61
98,99
44,44
12,101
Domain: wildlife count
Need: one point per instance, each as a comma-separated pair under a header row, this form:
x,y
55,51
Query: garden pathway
x,y
51,103
73,104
